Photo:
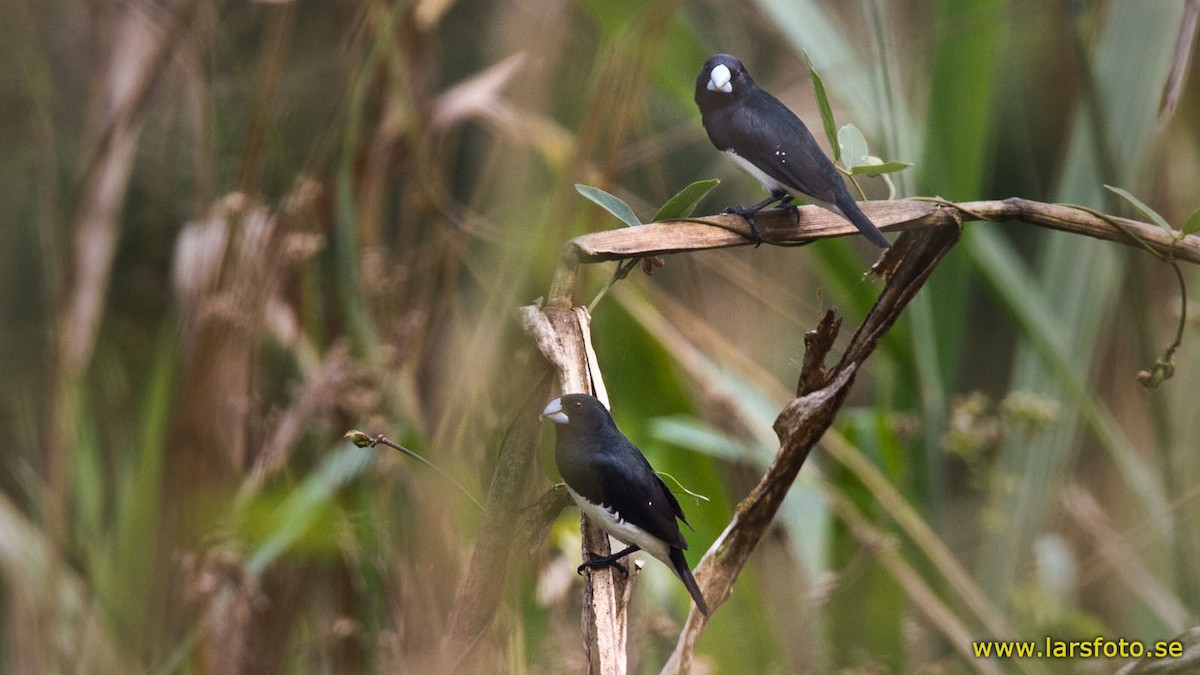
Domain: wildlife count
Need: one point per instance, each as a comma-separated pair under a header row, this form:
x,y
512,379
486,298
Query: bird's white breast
x,y
627,532
769,184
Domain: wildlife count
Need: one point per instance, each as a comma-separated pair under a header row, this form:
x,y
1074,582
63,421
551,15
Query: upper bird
x,y
614,485
767,140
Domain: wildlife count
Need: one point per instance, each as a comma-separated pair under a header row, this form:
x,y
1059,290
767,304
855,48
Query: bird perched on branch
x,y
613,484
768,141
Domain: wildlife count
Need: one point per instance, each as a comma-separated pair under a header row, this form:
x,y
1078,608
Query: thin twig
x,y
363,440
622,271
1164,366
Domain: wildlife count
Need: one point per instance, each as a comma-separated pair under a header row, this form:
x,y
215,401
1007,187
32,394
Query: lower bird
x,y
614,485
768,141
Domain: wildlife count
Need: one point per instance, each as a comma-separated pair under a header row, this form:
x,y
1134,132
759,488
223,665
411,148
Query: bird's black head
x,y
578,414
722,80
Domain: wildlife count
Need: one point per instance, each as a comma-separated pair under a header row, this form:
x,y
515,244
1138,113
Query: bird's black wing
x,y
764,131
632,488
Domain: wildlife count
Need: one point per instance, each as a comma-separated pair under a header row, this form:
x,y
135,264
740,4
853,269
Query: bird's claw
x,y
794,210
598,561
747,214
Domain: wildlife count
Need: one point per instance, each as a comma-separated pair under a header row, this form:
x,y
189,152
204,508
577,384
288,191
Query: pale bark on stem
x,y
564,338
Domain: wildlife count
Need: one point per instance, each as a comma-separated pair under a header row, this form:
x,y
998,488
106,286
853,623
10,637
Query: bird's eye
x,y
577,405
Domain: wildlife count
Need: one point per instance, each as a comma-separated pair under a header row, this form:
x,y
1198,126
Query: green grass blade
x,y
853,146
302,508
684,202
688,432
611,203
1040,324
826,112
139,497
809,28
1079,280
1192,224
1141,206
879,169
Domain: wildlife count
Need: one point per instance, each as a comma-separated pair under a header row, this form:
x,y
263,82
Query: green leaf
x,y
688,432
1192,225
878,169
1141,206
823,105
685,201
611,203
303,505
853,146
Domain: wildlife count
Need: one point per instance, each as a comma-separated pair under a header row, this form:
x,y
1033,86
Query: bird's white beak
x,y
718,80
554,412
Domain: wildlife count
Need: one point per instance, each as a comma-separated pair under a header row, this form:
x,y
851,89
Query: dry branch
x,y
562,333
1077,221
780,227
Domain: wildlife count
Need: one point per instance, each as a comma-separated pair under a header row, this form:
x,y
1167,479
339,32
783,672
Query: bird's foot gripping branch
x,y
672,231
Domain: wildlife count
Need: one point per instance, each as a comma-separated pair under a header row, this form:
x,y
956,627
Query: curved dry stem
x,y
820,394
813,223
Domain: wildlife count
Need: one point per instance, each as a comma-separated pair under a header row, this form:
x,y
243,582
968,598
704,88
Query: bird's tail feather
x,y
685,574
855,215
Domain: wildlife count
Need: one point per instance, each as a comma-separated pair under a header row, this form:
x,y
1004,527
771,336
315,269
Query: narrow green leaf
x,y
302,507
611,203
687,432
1192,225
853,146
139,484
823,105
685,201
1141,206
878,169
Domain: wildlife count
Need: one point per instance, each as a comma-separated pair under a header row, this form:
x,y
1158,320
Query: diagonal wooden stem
x,y
803,421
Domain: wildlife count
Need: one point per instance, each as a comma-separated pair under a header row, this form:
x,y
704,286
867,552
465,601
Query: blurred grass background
x,y
234,230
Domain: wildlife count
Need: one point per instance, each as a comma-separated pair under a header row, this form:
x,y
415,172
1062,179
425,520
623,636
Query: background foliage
x,y
235,230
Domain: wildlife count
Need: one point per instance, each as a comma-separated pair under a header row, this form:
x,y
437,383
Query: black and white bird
x,y
613,484
768,141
